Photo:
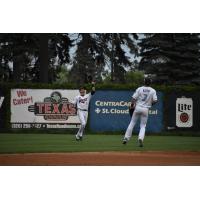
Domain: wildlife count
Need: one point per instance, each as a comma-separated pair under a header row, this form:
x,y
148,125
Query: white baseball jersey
x,y
82,102
145,96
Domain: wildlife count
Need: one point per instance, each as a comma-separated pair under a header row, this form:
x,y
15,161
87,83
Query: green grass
x,y
26,143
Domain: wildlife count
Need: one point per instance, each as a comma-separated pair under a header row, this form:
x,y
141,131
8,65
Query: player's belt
x,y
83,109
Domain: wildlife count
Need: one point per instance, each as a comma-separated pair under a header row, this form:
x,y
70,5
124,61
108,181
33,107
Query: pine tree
x,y
116,54
95,52
35,57
89,59
173,58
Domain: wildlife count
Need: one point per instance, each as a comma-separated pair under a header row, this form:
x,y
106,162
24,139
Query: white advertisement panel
x,y
43,108
184,112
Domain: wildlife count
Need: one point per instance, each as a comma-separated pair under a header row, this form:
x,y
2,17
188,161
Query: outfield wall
x,y
182,111
109,111
43,109
178,108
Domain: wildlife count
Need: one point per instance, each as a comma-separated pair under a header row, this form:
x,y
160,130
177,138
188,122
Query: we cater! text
x,y
22,98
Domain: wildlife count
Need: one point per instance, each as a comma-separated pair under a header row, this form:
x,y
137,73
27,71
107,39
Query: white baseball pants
x,y
142,113
83,115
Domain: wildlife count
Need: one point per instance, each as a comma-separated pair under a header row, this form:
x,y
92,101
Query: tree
x,y
173,58
14,50
114,48
33,57
96,52
44,58
89,59
38,57
63,75
136,77
53,53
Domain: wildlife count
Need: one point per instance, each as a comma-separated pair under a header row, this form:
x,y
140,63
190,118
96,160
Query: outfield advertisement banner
x,y
43,108
2,99
109,111
182,111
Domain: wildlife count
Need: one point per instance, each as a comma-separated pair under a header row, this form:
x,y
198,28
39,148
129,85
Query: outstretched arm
x,y
93,88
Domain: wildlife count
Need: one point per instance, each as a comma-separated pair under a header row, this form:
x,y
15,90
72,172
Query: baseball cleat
x,y
140,143
77,138
125,140
80,138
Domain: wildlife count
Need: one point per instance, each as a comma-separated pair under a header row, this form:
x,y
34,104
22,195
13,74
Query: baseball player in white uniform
x,y
82,104
143,98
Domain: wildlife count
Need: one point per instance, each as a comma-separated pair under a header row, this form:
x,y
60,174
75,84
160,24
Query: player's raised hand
x,y
93,83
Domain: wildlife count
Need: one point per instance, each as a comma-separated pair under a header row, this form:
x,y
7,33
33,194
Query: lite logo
x,y
184,112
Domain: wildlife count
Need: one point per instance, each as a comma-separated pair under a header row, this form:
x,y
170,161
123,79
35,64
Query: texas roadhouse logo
x,y
54,108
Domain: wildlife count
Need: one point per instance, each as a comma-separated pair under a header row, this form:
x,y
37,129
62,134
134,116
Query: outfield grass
x,y
27,143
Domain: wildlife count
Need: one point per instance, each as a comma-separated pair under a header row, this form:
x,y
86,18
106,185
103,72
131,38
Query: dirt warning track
x,y
102,159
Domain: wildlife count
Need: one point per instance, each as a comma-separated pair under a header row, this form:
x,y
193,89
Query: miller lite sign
x,y
184,112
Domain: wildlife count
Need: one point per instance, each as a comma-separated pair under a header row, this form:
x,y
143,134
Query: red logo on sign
x,y
184,117
54,108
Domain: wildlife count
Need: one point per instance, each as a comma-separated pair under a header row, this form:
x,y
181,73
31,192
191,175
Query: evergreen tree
x,y
38,57
89,59
173,58
14,52
34,57
44,58
114,48
96,52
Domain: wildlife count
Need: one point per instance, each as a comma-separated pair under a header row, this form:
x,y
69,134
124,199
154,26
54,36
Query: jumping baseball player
x,y
143,98
82,103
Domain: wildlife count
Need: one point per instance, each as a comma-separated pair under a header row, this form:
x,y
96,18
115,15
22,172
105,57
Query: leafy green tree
x,y
63,75
135,77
